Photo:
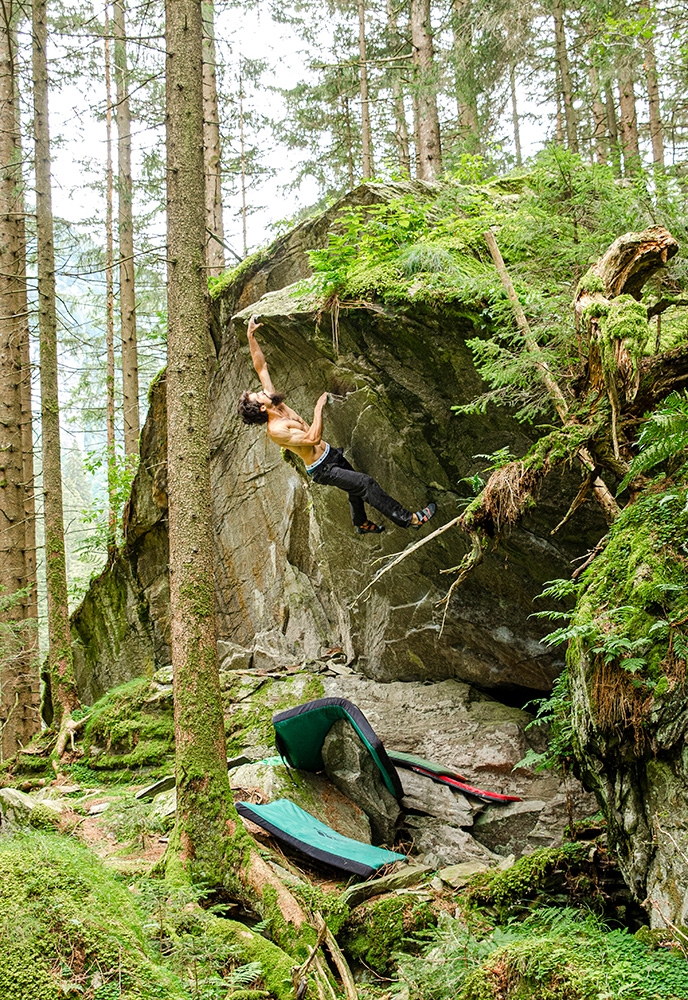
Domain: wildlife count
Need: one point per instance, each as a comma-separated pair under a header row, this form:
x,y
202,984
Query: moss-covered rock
x,y
376,930
69,928
130,728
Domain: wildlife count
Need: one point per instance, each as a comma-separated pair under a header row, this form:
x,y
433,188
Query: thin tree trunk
x,y
212,153
366,136
514,115
244,225
127,289
562,59
109,298
349,141
19,685
204,804
599,115
401,134
466,85
650,62
560,114
416,132
428,126
613,129
60,661
629,121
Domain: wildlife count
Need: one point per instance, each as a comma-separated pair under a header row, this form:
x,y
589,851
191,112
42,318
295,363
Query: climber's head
x,y
254,407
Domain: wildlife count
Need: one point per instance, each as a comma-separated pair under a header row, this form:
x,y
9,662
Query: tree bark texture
x,y
127,287
366,135
629,122
562,59
204,803
19,681
212,153
64,695
466,84
425,85
401,133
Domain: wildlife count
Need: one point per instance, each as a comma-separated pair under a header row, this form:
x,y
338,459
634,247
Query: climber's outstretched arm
x,y
257,356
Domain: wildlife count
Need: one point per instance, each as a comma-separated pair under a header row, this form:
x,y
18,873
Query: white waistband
x,y
309,468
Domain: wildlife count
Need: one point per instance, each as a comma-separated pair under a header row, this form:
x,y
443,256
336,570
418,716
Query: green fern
x,y
664,437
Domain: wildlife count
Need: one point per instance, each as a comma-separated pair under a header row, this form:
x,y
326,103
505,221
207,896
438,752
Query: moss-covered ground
x,y
83,913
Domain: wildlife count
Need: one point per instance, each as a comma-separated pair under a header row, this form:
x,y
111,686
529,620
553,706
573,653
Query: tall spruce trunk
x,y
599,115
127,287
401,133
19,681
242,158
346,107
466,84
514,115
212,153
109,299
562,59
613,130
425,85
63,688
366,135
630,144
204,804
652,83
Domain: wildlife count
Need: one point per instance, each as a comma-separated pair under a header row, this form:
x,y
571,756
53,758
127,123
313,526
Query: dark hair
x,y
249,410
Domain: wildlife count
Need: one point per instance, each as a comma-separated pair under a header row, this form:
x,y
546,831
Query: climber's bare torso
x,y
284,426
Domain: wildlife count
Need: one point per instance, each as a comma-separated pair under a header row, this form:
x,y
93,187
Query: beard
x,y
275,398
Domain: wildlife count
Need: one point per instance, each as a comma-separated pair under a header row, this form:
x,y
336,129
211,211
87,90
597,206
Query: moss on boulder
x,y
69,928
379,928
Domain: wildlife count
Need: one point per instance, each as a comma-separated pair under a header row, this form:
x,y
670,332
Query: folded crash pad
x,y
300,733
445,776
293,826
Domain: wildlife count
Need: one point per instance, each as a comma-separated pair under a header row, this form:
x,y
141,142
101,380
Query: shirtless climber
x,y
324,464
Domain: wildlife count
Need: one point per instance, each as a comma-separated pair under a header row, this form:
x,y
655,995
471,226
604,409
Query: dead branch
x,y
404,555
628,263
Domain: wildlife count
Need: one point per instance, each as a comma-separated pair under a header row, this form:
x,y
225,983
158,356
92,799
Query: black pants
x,y
336,471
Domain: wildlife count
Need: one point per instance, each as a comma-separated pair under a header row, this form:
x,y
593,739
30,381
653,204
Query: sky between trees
x,y
321,94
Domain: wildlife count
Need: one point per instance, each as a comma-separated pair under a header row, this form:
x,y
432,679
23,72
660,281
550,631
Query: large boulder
x,y
289,568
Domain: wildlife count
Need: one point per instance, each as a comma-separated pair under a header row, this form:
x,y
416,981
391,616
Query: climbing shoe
x,y
425,514
368,528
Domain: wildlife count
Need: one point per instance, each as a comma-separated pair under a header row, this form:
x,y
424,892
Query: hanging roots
x,y
509,491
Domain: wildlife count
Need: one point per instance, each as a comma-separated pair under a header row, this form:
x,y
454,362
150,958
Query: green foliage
x,y
421,249
664,437
633,603
121,471
551,955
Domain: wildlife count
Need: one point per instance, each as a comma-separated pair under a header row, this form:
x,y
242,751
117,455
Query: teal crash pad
x,y
294,826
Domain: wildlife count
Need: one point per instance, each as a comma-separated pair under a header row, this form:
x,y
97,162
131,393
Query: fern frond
x,y
665,436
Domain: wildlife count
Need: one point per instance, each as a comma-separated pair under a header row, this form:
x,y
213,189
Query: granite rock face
x,y
288,566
